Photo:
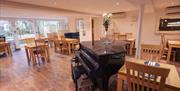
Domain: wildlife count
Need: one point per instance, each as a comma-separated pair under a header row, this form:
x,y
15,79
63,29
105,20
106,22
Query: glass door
x,y
5,30
24,29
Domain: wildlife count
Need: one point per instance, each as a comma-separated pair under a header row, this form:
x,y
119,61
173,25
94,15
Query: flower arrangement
x,y
106,20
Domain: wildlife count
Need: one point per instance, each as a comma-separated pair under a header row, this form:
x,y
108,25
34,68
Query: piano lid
x,y
100,48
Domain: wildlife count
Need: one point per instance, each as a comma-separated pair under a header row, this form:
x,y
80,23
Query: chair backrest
x,y
115,36
129,35
151,52
29,40
122,37
41,50
141,77
39,42
2,47
2,40
64,43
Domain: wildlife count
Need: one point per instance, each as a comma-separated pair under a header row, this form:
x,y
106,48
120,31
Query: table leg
x,y
131,48
27,55
47,50
119,84
9,50
169,53
69,48
32,56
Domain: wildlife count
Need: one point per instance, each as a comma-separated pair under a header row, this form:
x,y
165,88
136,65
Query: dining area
x,y
89,45
38,48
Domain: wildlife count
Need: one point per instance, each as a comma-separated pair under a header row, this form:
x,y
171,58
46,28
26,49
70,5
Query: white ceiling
x,y
100,6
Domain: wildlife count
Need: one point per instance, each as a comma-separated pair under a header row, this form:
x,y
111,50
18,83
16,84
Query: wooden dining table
x,y
172,44
7,47
70,41
172,81
30,53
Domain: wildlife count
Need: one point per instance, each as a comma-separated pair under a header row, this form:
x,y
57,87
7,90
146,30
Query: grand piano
x,y
100,60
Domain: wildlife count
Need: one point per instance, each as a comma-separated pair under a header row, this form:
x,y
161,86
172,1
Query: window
x,y
24,29
63,24
5,29
79,25
45,27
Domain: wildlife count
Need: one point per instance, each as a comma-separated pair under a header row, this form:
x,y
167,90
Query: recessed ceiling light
x,y
117,3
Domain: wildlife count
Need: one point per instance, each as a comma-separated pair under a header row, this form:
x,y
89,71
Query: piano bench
x,y
84,83
77,72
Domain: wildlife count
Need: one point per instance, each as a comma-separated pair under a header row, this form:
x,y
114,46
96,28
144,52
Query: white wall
x,y
128,23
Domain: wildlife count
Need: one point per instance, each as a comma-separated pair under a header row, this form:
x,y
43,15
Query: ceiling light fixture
x,y
55,2
117,3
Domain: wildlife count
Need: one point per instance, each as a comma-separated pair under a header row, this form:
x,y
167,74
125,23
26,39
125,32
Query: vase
x,y
106,40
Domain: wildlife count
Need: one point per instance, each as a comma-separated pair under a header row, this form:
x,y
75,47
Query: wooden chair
x,y
3,48
2,40
41,53
141,77
122,37
64,46
75,45
151,52
58,45
29,40
129,35
40,42
165,48
115,36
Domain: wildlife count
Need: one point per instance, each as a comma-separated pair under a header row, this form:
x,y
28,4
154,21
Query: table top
x,y
4,43
131,39
174,42
32,45
100,48
172,81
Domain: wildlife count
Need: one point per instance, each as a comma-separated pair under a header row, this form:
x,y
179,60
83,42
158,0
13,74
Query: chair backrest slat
x,y
39,42
122,37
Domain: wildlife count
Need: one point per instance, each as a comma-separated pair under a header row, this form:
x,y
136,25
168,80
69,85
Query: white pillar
x,y
138,40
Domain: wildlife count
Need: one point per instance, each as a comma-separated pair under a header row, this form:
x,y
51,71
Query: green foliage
x,y
106,20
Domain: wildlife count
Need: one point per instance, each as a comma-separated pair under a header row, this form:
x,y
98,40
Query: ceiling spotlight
x,y
117,3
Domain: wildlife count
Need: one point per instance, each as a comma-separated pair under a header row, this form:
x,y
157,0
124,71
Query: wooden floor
x,y
17,75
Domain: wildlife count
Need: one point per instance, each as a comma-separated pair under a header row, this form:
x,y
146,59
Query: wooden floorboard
x,y
17,75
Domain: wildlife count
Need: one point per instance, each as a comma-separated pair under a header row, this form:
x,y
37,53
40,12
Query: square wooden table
x,y
30,53
172,44
172,81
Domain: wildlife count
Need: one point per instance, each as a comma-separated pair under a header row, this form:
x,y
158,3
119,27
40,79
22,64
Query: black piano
x,y
100,61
